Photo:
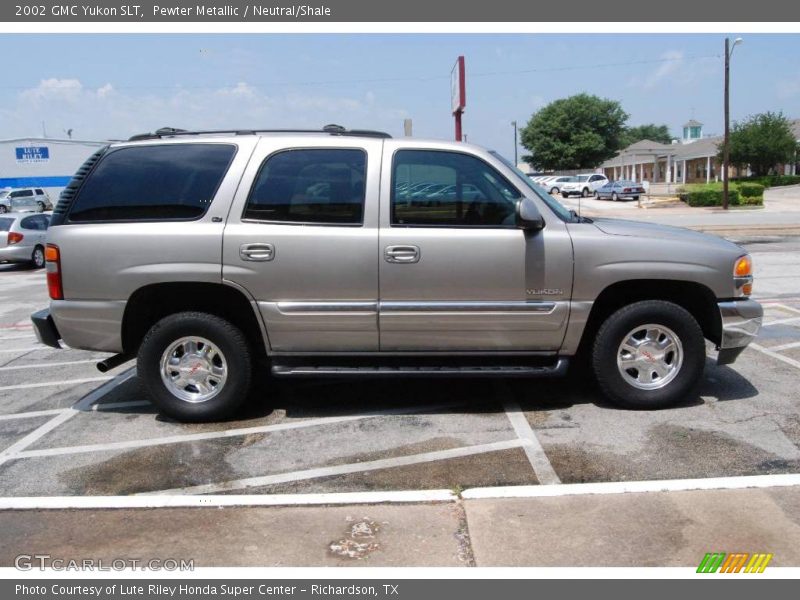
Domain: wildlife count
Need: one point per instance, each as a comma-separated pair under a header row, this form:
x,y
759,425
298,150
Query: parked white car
x,y
555,184
583,185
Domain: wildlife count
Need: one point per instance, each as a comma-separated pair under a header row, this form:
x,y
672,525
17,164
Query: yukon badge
x,y
545,292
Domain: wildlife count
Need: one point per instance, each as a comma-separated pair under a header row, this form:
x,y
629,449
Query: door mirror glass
x,y
528,216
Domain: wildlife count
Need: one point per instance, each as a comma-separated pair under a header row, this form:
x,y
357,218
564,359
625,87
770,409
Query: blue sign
x,y
33,154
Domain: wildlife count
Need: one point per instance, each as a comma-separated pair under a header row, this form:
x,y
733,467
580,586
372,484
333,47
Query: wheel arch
x,y
150,303
696,298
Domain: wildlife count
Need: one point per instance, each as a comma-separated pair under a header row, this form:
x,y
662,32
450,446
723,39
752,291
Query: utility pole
x,y
514,125
727,138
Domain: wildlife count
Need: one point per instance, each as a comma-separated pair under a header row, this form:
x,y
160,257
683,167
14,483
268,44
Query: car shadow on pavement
x,y
318,398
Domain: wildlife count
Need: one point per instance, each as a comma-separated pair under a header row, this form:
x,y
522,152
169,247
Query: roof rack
x,y
329,129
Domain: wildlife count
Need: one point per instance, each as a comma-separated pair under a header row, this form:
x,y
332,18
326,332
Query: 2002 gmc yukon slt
x,y
199,253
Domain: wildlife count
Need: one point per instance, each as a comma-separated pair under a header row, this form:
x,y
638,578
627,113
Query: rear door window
x,y
153,183
323,186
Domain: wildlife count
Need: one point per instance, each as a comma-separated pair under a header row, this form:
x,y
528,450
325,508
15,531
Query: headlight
x,y
743,275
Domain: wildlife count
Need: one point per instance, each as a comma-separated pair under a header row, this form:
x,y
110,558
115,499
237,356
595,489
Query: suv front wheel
x,y
195,366
648,355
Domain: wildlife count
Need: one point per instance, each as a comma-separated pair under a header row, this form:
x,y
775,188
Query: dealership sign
x,y
32,154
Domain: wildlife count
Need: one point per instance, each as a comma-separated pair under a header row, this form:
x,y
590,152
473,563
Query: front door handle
x,y
257,252
401,254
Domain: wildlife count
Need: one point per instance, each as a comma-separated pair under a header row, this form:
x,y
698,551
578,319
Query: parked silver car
x,y
205,255
23,238
24,199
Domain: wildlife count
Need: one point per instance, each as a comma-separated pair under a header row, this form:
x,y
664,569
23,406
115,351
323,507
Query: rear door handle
x,y
401,254
257,252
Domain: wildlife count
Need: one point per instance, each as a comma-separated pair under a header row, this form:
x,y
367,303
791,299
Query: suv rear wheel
x,y
195,366
649,354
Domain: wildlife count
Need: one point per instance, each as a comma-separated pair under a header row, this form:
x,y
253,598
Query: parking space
x,y
66,429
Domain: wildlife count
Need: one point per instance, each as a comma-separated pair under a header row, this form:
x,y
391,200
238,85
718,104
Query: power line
x,y
403,79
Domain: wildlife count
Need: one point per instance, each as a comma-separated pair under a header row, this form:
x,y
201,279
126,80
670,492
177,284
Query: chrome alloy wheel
x,y
193,369
650,356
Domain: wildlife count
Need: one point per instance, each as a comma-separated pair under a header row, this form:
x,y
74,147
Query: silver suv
x,y
205,255
21,199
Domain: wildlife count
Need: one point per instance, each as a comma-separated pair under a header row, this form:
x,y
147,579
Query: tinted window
x,y
171,181
449,189
36,222
5,224
310,186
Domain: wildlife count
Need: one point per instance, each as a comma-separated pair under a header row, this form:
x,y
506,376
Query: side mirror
x,y
528,216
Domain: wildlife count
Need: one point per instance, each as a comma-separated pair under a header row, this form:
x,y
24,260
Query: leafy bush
x,y
770,180
710,194
750,189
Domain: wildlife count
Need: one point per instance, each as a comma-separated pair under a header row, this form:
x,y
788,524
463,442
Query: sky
x,y
114,86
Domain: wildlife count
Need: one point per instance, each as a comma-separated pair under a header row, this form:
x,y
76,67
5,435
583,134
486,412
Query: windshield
x,y
563,213
3,193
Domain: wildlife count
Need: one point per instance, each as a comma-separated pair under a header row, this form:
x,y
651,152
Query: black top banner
x,y
443,11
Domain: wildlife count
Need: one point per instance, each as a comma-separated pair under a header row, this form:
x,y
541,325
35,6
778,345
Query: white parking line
x,y
164,501
533,449
623,487
45,365
785,307
225,433
361,467
18,337
24,349
780,357
84,403
781,321
32,414
25,386
785,347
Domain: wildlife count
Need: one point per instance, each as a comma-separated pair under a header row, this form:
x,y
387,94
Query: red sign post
x,y
458,94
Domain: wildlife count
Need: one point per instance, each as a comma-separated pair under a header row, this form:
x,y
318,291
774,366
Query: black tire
x,y
41,206
636,197
596,195
3,209
614,196
554,191
564,195
37,258
585,193
614,331
225,336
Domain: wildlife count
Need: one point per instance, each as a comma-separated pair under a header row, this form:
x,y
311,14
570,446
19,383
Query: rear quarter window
x,y
153,183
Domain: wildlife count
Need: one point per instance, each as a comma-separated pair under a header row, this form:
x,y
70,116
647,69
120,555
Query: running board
x,y
558,369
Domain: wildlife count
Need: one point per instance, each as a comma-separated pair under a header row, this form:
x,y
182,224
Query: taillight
x,y
14,238
53,257
626,190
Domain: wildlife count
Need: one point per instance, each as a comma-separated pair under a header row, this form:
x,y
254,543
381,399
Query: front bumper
x,y
45,328
741,322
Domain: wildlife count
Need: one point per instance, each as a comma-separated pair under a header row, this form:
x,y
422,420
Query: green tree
x,y
651,131
578,132
762,141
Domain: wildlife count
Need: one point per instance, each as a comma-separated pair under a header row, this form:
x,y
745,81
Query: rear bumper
x,y
16,253
741,322
45,328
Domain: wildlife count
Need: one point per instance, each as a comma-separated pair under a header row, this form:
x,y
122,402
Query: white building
x,y
42,162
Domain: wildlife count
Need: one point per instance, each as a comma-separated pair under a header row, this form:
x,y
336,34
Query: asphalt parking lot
x,y
67,429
